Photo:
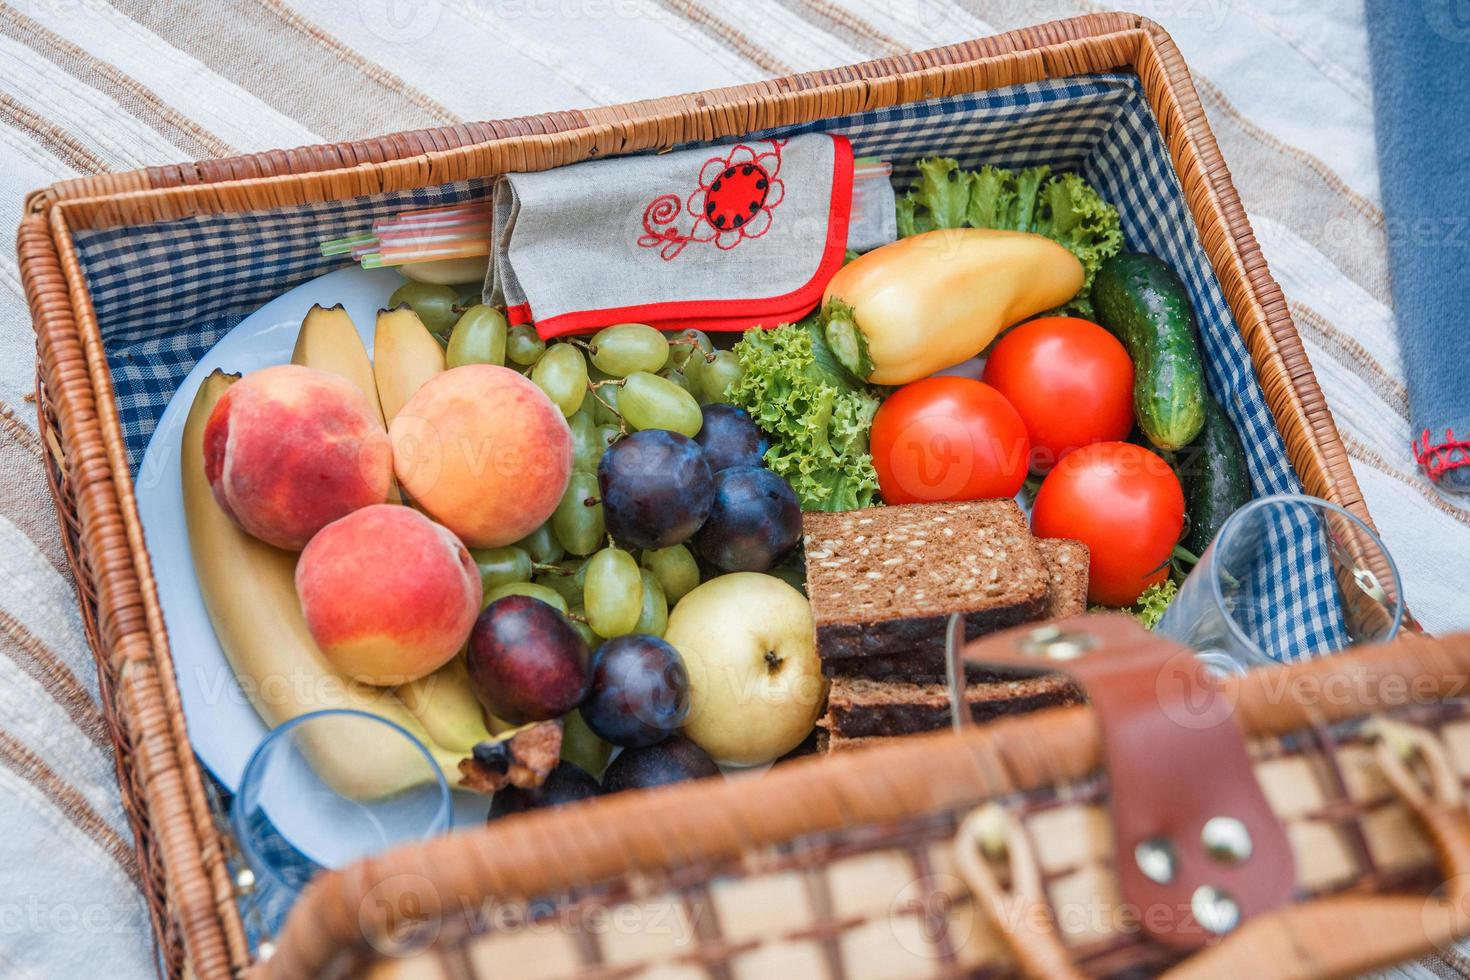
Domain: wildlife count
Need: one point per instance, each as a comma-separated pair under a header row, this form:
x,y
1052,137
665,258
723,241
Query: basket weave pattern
x,y
887,901
189,890
850,862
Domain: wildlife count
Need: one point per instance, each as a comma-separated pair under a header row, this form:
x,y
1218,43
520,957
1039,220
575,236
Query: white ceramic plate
x,y
223,728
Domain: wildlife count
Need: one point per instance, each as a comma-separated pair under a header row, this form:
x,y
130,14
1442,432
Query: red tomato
x,y
1071,380
1125,504
948,439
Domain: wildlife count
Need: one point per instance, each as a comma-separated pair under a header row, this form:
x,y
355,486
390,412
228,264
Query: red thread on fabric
x,y
736,194
735,314
1439,458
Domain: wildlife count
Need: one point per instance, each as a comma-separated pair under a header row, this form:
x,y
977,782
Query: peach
x,y
483,451
288,450
388,595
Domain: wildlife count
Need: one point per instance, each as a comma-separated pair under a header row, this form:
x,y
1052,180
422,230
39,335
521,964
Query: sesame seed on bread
x,y
1066,562
1066,565
883,581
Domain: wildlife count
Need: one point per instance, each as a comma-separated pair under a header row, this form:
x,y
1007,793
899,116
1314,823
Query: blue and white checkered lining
x,y
165,293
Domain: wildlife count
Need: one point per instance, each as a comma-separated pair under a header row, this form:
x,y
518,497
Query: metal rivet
x,y
1226,840
1214,909
1155,857
245,879
1053,644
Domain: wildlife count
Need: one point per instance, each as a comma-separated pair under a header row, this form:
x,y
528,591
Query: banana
x,y
329,342
445,704
405,356
249,591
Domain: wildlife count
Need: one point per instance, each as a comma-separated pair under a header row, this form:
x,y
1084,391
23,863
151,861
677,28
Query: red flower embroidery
x,y
733,202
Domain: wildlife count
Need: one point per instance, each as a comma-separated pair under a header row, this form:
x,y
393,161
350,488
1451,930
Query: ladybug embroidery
x,y
736,195
733,202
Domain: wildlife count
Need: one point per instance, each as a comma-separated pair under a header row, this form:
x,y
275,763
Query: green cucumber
x,y
1141,301
1216,483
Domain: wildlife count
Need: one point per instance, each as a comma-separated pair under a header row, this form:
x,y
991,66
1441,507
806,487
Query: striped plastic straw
x,y
455,232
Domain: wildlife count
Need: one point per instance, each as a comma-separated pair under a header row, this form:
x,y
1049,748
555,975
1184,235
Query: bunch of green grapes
x,y
696,366
606,593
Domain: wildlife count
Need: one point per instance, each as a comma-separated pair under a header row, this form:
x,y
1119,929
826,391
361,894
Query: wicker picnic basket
x,y
994,852
91,434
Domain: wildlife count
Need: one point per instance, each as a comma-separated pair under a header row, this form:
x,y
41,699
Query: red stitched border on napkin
x,y
728,314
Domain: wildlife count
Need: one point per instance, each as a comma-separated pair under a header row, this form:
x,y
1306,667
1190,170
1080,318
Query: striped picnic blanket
x,y
90,87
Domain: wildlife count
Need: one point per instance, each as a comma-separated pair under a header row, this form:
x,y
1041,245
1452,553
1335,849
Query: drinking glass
x,y
1244,604
291,823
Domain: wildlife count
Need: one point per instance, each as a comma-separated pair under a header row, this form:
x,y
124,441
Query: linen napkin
x,y
720,238
1421,88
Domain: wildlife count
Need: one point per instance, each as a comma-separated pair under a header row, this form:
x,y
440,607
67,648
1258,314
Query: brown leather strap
x,y
1350,934
1341,936
1198,848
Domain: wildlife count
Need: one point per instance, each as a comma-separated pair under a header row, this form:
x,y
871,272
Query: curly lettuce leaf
x,y
993,196
939,199
1072,214
1154,602
1063,207
817,416
1150,607
1002,198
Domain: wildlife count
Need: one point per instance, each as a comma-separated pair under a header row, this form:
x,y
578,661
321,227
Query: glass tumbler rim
x,y
1236,520
254,859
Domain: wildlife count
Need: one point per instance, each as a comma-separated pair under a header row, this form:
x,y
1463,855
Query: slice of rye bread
x,y
1066,564
884,581
858,707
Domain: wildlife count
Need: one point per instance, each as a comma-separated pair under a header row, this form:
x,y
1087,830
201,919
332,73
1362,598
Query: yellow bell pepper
x,y
926,302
